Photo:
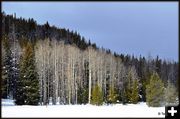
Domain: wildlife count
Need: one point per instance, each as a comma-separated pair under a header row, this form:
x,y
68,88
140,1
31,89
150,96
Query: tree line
x,y
42,64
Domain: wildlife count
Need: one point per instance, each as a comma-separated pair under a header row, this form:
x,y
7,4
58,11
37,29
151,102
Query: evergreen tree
x,y
129,87
112,96
4,72
97,96
135,92
170,94
132,88
155,91
143,89
124,97
132,93
27,85
20,93
6,68
123,93
82,95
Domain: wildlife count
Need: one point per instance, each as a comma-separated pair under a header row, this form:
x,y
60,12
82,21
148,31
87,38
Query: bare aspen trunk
x,y
89,98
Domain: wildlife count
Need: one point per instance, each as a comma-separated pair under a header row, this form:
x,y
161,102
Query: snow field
x,y
117,110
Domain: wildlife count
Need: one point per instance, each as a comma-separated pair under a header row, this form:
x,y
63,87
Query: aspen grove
x,y
43,64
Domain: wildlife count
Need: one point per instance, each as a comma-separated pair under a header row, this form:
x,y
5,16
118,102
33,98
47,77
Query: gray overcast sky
x,y
125,27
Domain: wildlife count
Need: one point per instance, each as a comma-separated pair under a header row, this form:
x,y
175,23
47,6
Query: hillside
x,y
43,64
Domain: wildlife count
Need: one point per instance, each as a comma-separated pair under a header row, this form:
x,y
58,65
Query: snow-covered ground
x,y
7,102
117,110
